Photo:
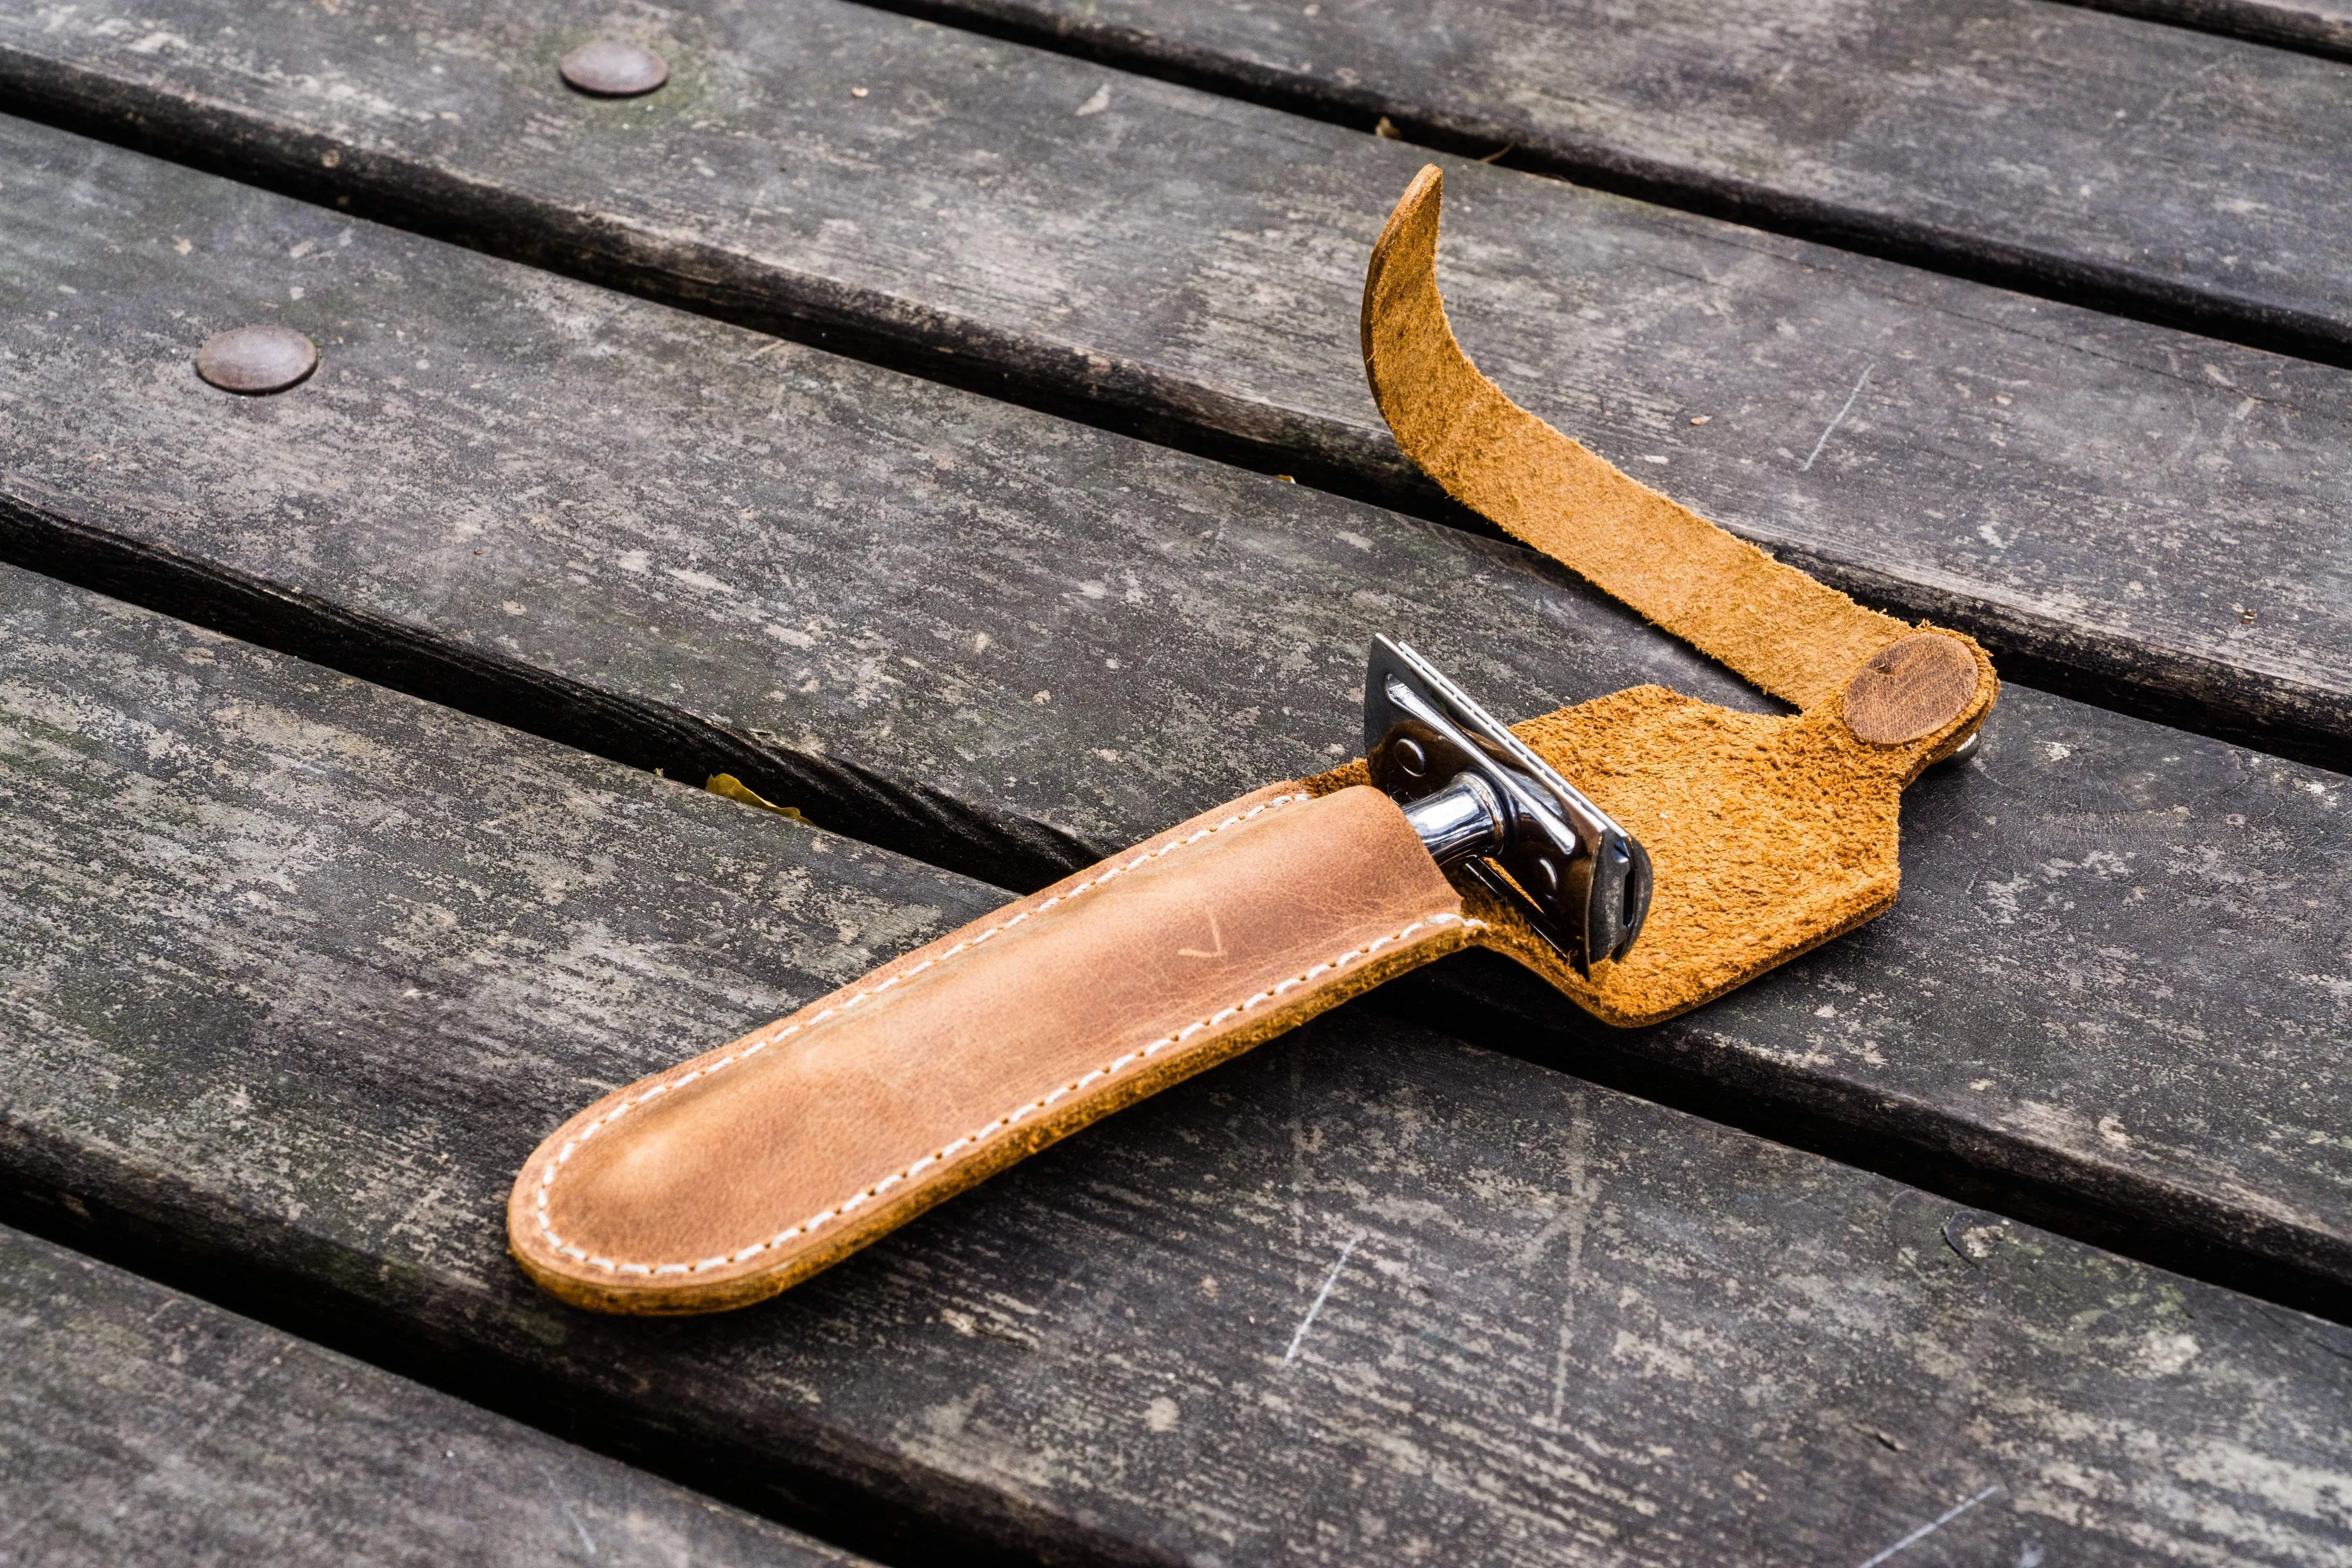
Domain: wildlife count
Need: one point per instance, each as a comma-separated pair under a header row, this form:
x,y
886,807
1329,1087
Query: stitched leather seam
x,y
826,1216
763,1042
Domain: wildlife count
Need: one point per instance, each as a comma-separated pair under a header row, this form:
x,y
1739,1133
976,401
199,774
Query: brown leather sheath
x,y
731,1176
741,1171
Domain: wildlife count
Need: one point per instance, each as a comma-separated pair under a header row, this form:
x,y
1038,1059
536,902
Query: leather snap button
x,y
1910,688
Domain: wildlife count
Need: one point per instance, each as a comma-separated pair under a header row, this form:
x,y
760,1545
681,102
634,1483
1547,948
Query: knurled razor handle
x,y
736,1175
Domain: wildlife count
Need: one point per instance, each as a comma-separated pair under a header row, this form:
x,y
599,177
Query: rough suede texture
x,y
1769,836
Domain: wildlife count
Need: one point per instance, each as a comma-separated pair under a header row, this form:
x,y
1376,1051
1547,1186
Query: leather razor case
x,y
736,1175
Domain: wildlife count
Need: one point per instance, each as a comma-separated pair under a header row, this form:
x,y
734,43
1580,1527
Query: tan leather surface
x,y
731,1176
1767,836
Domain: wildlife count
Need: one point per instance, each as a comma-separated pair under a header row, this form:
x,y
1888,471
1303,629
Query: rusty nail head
x,y
255,360
609,68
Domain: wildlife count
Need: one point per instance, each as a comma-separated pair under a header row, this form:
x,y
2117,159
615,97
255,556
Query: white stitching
x,y
825,1216
757,1045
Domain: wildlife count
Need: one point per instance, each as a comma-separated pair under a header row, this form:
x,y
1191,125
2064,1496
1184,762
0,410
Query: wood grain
x,y
2144,517
1012,644
337,958
139,1425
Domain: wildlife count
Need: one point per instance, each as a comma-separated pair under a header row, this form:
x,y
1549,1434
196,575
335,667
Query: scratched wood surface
x,y
139,1425
2109,160
341,957
2146,517
1009,643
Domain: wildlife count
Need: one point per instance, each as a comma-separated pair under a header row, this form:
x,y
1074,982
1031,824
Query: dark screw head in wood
x,y
610,69
255,360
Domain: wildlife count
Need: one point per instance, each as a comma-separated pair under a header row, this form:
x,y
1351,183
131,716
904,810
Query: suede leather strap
x,y
731,1176
1796,637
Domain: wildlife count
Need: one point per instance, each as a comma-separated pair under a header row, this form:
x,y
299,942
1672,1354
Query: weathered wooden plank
x,y
139,1425
339,957
2065,150
2141,516
1005,641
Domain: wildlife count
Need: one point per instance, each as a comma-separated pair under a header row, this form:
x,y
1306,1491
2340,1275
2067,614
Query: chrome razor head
x,y
1476,793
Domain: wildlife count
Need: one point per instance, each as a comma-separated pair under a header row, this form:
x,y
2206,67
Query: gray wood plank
x,y
1007,642
339,957
2137,515
139,1425
2065,150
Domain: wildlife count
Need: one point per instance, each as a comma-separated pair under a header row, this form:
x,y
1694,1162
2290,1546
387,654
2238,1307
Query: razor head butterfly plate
x,y
1479,797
